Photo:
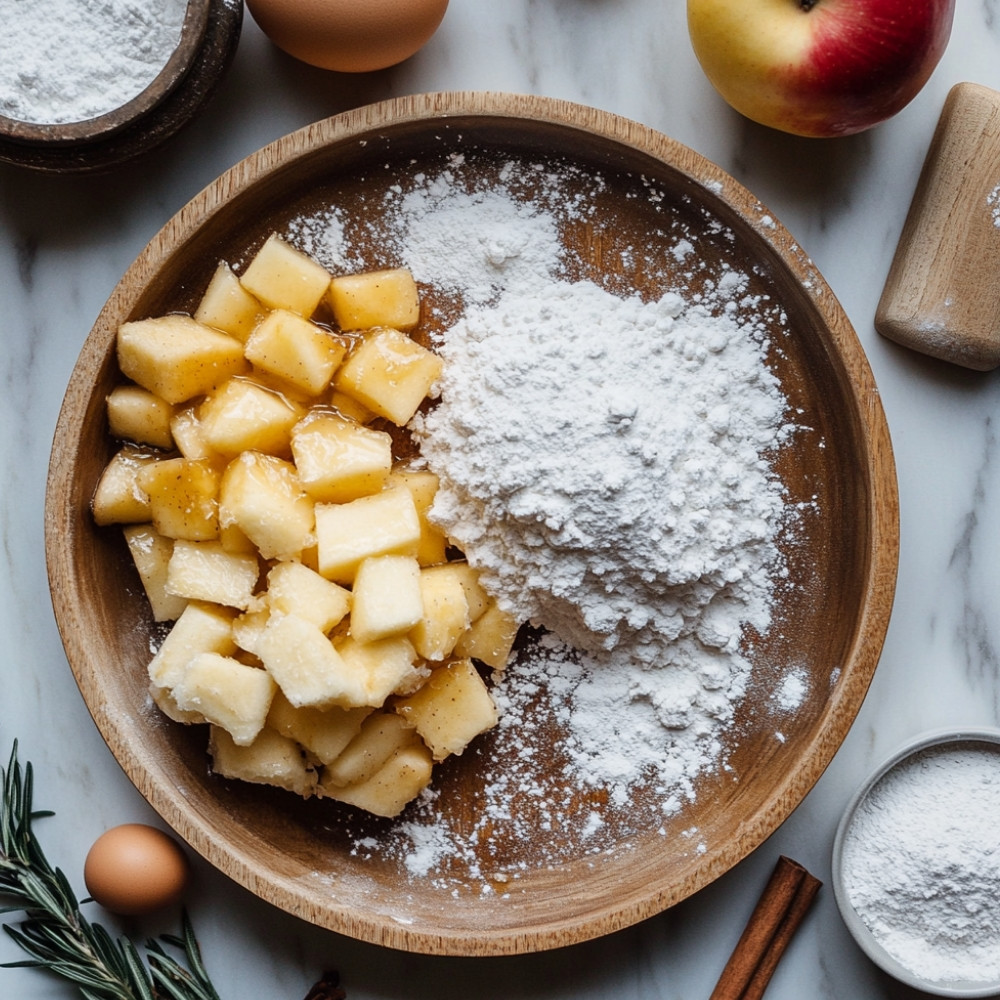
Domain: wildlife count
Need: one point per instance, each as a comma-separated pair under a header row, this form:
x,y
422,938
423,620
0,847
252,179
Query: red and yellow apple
x,y
819,67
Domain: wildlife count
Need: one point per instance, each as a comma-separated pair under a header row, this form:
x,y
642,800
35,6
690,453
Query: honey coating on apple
x,y
320,624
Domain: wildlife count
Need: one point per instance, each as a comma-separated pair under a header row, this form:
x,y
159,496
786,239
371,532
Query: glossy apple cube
x,y
386,297
282,277
390,374
176,357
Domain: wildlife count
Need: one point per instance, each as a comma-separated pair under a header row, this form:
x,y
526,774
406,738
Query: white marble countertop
x,y
67,240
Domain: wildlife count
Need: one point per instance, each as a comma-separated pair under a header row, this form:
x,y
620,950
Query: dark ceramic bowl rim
x,y
195,88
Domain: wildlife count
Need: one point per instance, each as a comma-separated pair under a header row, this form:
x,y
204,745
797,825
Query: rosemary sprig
x,y
57,937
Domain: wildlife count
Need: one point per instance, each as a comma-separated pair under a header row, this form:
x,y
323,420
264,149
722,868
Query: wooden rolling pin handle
x,y
942,294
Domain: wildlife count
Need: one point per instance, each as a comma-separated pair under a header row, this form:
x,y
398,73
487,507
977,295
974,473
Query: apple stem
x,y
807,5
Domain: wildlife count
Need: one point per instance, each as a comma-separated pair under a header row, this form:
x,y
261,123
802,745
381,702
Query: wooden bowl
x,y
191,75
322,862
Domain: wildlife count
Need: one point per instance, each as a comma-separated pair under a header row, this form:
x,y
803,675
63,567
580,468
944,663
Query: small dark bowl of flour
x,y
916,864
88,84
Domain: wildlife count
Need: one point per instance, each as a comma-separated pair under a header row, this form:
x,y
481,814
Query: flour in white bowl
x,y
921,863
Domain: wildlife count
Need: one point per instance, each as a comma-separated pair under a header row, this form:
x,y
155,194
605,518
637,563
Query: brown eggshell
x,y
134,869
351,36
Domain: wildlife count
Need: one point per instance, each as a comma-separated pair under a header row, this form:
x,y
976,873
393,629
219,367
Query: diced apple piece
x,y
433,546
375,298
163,699
226,693
349,407
389,373
451,709
380,736
387,598
136,414
446,611
249,626
189,435
176,357
227,305
490,638
183,497
295,350
338,459
423,484
119,499
295,589
205,571
262,495
388,666
324,733
386,793
151,553
201,628
233,539
272,759
468,578
307,668
384,523
244,416
283,277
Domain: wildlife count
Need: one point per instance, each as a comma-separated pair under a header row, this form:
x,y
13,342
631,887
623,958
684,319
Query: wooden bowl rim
x,y
882,502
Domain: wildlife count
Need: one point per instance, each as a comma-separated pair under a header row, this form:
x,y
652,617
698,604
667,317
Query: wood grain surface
x,y
831,621
942,294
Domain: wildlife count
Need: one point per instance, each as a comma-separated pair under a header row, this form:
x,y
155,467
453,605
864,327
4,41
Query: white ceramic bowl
x,y
869,942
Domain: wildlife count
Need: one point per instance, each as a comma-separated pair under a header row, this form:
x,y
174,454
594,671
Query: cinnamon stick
x,y
328,988
776,917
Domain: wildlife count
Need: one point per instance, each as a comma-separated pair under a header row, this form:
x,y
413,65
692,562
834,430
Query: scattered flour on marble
x,y
605,462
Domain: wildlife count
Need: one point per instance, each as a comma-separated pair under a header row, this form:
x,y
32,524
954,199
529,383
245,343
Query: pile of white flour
x,y
604,463
601,464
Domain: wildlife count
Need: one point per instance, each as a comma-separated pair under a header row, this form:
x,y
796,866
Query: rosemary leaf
x,y
55,935
169,974
137,971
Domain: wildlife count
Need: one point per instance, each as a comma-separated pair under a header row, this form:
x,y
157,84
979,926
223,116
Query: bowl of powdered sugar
x,y
659,444
85,85
917,864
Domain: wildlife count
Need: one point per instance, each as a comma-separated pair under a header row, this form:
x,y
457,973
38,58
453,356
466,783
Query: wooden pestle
x,y
942,293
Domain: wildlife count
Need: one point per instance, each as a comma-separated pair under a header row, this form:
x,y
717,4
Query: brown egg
x,y
133,869
351,36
